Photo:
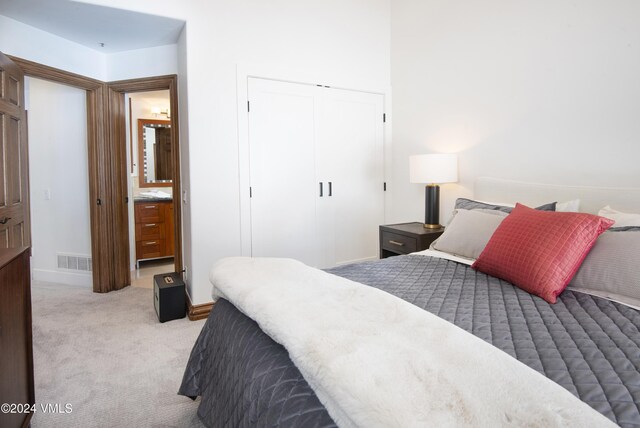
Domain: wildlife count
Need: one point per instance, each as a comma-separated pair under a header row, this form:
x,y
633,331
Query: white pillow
x,y
572,206
468,232
621,219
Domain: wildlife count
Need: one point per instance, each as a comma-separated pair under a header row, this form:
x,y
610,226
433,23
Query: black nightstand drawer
x,y
405,238
398,243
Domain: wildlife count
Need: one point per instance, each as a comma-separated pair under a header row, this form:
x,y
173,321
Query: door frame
x,y
100,193
117,124
108,168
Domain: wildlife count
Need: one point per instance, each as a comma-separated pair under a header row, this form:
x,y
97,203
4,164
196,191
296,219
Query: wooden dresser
x,y
16,361
154,229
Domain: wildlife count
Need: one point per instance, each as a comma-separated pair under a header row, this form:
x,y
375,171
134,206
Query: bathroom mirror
x,y
154,153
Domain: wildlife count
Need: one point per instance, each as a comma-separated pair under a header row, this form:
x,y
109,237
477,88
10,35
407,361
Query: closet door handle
x,y
4,220
330,189
321,189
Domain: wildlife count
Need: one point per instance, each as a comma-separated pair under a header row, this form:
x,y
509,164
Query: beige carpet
x,y
109,358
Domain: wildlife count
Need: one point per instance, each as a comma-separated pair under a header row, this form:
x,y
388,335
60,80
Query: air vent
x,y
74,262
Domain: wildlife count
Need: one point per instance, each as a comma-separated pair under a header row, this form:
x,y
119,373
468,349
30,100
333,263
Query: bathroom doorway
x,y
151,220
145,120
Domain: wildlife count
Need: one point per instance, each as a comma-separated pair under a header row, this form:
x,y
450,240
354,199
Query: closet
x,y
316,172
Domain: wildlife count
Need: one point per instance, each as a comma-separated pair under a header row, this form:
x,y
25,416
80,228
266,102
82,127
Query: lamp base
x,y
432,226
432,207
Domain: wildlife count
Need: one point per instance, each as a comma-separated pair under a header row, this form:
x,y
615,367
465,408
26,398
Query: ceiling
x,y
90,25
150,99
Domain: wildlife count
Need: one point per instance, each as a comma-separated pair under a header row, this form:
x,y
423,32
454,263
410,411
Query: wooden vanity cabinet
x,y
154,229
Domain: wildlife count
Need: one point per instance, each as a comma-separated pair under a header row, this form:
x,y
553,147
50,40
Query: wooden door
x,y
14,189
284,189
350,159
115,182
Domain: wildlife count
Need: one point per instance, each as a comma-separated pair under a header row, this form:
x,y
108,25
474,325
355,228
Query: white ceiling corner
x,y
89,25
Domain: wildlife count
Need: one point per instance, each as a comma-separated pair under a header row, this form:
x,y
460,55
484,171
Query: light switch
x,y
47,194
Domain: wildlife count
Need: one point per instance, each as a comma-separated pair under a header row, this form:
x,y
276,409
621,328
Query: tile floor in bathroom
x,y
143,277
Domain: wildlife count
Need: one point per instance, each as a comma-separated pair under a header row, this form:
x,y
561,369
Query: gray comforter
x,y
588,345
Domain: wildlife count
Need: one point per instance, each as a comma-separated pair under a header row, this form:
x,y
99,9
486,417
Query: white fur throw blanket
x,y
375,360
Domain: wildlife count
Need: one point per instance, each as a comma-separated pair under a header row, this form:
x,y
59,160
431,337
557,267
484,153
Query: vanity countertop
x,y
150,199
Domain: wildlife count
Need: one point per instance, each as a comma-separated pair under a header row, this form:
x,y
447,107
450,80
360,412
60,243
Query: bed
x,y
585,346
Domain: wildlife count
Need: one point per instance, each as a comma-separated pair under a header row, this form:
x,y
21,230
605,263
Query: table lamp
x,y
433,169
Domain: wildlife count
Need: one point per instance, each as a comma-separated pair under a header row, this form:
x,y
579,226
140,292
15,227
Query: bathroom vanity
x,y
154,228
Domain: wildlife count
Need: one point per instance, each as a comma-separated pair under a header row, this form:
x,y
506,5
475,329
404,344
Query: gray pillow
x,y
470,204
612,268
468,232
625,229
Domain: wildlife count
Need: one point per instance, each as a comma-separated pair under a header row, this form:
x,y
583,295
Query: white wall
x,y
544,91
58,164
156,61
31,43
342,43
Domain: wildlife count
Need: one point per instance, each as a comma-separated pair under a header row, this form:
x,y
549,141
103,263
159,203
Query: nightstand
x,y
405,238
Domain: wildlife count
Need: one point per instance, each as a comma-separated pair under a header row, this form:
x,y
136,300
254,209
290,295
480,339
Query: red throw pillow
x,y
540,251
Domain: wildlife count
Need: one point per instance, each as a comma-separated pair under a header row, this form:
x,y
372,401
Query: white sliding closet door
x,y
350,152
282,167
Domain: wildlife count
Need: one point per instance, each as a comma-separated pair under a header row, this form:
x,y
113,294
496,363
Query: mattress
x,y
586,344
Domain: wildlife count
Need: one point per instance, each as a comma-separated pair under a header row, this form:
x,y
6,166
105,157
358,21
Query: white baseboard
x,y
71,278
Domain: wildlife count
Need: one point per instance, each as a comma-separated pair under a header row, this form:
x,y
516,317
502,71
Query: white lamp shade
x,y
433,168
